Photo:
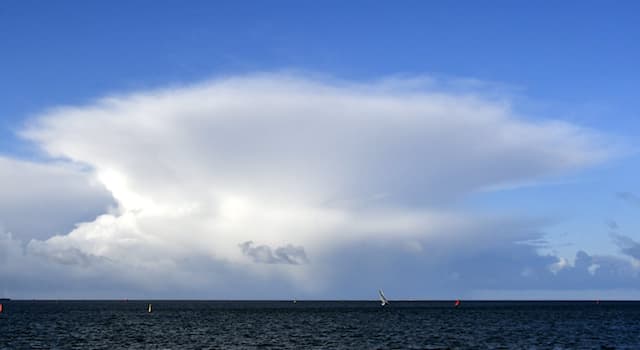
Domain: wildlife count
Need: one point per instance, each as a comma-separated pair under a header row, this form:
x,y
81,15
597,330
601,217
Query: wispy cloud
x,y
629,197
612,224
627,245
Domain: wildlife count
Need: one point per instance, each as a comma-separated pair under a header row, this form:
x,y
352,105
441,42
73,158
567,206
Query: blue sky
x,y
574,61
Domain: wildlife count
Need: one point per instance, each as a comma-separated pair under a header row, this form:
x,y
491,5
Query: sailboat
x,y
149,308
383,299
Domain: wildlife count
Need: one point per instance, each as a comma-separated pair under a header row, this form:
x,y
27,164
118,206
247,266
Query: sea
x,y
127,324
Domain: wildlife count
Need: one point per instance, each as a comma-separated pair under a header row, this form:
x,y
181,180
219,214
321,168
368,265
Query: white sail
x,y
383,299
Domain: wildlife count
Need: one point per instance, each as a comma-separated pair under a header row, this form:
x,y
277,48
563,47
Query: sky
x,y
319,150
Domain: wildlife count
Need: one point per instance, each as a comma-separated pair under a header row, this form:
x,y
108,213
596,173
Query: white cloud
x,y
285,161
41,200
562,263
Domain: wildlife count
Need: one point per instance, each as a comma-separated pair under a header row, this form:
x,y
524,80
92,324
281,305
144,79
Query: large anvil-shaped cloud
x,y
283,160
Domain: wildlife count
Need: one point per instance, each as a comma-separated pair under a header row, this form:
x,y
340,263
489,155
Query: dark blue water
x,y
317,325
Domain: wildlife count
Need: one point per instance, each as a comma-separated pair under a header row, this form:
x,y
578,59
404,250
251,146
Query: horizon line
x,y
321,300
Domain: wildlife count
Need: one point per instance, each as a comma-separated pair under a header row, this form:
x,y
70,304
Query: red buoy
x,y
457,303
0,308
